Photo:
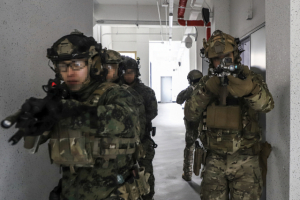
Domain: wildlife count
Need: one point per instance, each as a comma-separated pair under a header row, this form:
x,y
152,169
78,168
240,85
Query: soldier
x,y
96,131
193,77
131,77
231,135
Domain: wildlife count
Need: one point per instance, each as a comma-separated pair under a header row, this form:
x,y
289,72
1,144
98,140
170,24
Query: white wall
x,y
106,40
238,16
139,43
28,28
165,65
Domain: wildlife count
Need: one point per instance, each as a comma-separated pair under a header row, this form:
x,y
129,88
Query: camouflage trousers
x,y
234,177
190,138
147,163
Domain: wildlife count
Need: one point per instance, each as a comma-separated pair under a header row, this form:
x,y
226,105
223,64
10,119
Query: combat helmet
x,y
130,63
111,60
73,46
221,43
194,76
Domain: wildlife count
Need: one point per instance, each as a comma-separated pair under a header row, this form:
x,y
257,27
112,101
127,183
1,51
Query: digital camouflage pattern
x,y
150,101
150,104
227,147
107,116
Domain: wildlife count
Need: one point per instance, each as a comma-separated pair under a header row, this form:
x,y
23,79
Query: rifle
x,y
223,70
37,115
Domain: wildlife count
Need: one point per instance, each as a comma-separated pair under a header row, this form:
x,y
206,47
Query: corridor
x,y
168,160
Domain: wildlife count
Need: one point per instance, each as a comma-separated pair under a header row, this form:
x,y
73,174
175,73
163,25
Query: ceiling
x,y
127,2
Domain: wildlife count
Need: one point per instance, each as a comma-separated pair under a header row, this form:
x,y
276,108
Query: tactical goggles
x,y
76,65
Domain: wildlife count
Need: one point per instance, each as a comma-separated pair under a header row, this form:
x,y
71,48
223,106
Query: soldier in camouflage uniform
x,y
95,138
193,77
230,132
130,77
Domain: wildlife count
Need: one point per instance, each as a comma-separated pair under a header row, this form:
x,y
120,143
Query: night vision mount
x,y
225,69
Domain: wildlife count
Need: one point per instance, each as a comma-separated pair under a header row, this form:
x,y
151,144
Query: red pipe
x,y
182,22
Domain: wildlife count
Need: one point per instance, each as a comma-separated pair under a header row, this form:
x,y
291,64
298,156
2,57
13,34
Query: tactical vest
x,y
77,146
226,129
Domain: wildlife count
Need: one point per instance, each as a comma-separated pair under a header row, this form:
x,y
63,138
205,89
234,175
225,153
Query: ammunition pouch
x,y
224,117
74,148
223,141
135,187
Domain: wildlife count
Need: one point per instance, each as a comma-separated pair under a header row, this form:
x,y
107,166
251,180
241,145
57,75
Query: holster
x,y
199,158
265,151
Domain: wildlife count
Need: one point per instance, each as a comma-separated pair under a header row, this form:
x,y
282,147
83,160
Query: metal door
x,y
166,89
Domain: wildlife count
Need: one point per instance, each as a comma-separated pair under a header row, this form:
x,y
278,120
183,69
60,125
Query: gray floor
x,y
169,156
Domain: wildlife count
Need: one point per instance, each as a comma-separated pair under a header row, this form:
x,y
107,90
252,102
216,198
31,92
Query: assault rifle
x,y
225,69
37,115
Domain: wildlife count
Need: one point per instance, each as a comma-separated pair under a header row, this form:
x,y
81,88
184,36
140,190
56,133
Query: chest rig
x,y
230,127
73,144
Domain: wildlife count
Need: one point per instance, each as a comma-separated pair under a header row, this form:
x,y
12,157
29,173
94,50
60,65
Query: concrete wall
x,y
294,99
238,16
28,28
279,124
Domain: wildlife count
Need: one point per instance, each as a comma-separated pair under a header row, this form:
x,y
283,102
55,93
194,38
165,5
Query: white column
x,y
279,124
294,100
143,53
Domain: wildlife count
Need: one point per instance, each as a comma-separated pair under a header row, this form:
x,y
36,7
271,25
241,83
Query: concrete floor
x,y
168,160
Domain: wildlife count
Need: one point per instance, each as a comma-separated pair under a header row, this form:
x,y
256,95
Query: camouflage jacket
x,y
221,140
96,120
150,101
184,95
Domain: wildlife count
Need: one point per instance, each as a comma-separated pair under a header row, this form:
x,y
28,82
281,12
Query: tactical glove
x,y
213,85
238,87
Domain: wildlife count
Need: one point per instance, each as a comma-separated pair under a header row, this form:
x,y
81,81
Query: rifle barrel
x,y
11,120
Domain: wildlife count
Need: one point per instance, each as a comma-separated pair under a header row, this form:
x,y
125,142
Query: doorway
x,y
166,89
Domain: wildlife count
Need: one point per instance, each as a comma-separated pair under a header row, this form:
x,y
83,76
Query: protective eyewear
x,y
75,65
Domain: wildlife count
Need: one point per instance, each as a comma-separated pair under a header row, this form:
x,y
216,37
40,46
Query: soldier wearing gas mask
x,y
224,106
193,77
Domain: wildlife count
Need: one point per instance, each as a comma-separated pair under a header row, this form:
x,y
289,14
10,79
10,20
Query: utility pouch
x,y
265,151
136,186
132,190
29,142
198,158
224,117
